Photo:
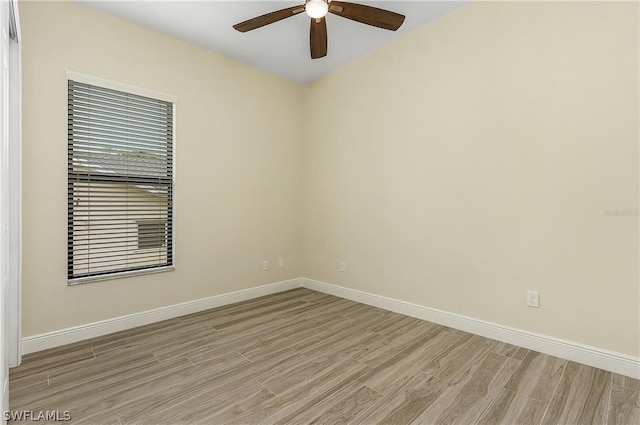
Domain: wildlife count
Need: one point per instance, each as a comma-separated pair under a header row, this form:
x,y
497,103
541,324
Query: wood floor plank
x,y
89,397
182,346
110,398
339,334
296,405
314,331
398,321
401,337
230,341
398,325
423,355
156,337
259,315
307,393
582,396
376,354
452,363
334,307
627,382
284,337
358,310
513,409
229,409
301,357
203,405
110,421
465,401
280,379
315,297
214,377
92,342
312,307
537,374
340,407
508,350
29,381
253,303
394,334
244,306
45,363
165,399
85,369
66,384
406,403
624,406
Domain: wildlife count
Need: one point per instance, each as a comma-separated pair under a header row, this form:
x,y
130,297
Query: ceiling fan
x,y
317,10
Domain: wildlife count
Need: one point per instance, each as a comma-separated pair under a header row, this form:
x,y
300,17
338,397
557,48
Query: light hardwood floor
x,y
302,357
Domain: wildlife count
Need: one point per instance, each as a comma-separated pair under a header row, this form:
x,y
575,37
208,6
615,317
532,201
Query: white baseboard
x,y
592,356
60,337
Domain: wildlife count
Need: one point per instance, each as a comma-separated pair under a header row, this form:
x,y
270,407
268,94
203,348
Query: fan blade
x,y
318,38
267,19
367,15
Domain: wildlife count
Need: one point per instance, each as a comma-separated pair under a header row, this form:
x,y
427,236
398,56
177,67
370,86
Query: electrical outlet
x,y
281,262
265,265
343,266
533,299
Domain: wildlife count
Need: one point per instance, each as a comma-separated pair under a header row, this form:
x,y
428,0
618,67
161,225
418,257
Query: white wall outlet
x,y
281,262
265,265
343,266
533,299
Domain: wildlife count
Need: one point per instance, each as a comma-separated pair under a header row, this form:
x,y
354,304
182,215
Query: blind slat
x,y
104,92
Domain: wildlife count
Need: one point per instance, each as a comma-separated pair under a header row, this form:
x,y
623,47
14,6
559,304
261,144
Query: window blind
x,y
120,182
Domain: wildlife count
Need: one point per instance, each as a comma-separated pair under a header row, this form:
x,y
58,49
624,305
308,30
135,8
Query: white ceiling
x,y
282,47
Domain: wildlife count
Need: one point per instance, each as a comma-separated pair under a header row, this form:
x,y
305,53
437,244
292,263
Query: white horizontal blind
x,y
120,182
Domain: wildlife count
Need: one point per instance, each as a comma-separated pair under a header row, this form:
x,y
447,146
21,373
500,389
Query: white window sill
x,y
120,275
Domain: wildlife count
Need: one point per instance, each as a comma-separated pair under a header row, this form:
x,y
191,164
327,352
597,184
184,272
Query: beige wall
x,y
456,168
474,159
238,165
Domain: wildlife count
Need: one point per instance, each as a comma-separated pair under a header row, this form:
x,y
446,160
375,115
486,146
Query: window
x,y
120,182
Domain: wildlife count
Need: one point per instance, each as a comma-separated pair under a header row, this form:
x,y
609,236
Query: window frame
x,y
171,228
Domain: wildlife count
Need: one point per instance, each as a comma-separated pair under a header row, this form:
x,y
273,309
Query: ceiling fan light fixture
x,y
316,9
